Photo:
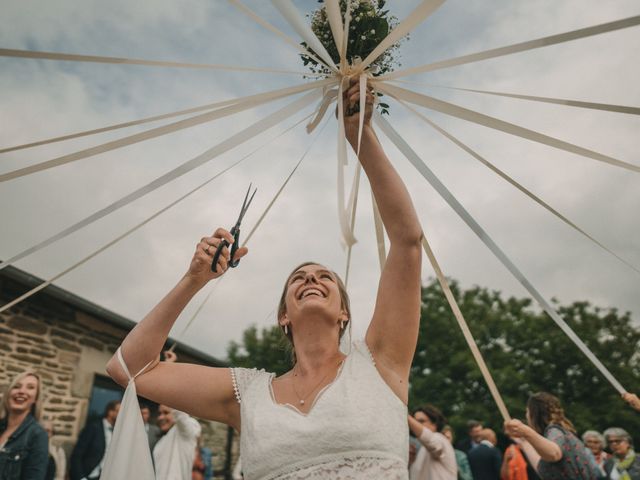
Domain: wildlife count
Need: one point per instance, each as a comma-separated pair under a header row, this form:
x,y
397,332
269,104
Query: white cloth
x,y
436,461
128,455
175,452
356,428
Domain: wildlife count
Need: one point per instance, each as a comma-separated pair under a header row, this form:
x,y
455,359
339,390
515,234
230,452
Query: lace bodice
x,y
356,429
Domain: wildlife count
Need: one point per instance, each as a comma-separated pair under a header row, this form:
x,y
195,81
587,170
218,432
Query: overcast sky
x,y
41,99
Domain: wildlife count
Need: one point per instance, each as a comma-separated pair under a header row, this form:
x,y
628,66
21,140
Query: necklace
x,y
301,399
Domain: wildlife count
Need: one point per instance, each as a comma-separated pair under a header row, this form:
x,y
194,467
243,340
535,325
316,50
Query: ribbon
x,y
524,190
241,104
416,17
7,52
253,230
347,235
379,229
559,101
292,15
422,168
353,202
258,19
328,98
518,47
95,253
224,146
497,124
462,323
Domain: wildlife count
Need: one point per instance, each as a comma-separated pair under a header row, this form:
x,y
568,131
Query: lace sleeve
x,y
241,378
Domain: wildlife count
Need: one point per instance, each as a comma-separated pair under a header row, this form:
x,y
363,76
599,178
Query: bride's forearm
x,y
144,343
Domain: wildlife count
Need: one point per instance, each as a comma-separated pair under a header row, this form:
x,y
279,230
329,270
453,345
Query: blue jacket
x,y
25,455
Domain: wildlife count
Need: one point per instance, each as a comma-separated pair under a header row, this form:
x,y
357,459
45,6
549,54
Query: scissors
x,y
235,231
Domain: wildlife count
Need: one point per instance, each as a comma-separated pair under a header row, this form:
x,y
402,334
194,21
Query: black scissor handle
x,y
235,231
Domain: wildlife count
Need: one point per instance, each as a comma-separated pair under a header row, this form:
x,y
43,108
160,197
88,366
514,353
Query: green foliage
x,y
268,349
526,352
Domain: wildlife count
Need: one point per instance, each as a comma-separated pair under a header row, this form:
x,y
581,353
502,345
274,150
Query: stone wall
x,y
68,347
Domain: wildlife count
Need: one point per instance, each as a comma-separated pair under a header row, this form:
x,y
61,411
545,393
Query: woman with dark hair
x,y
550,442
24,446
436,460
332,416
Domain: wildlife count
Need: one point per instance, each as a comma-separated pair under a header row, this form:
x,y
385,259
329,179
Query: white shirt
x,y
175,452
436,461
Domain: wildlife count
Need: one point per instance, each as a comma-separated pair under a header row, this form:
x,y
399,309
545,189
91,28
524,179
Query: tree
x,y
525,351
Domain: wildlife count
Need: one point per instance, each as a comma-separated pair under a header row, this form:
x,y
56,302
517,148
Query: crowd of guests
x,y
27,453
546,447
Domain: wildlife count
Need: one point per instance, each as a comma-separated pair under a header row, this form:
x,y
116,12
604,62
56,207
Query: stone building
x,y
68,341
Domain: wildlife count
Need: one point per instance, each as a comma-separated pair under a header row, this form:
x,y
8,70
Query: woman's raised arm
x,y
393,331
204,392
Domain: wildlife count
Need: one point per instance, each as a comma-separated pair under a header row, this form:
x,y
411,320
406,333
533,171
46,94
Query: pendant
x,y
301,402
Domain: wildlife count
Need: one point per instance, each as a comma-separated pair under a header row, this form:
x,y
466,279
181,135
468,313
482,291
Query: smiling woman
x,y
315,420
24,447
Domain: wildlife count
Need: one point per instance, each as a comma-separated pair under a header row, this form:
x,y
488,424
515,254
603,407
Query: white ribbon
x,y
246,241
416,17
497,124
347,235
353,202
518,47
7,52
241,104
415,160
327,99
258,19
520,187
334,16
557,101
292,15
95,253
462,323
379,229
224,146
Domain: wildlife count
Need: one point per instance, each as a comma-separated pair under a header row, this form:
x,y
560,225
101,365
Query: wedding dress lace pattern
x,y
356,428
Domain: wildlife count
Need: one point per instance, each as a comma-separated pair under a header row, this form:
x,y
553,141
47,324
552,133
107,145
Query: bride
x,y
332,415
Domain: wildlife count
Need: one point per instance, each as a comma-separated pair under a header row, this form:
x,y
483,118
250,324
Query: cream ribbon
x,y
347,235
416,17
224,146
497,124
258,19
415,160
518,47
210,106
524,190
7,52
557,101
241,104
353,202
379,229
332,7
327,99
473,346
95,253
246,241
293,17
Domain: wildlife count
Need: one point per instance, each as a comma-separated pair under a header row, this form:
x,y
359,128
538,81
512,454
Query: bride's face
x,y
313,289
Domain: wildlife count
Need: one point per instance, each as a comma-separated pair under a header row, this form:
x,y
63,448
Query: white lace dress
x,y
356,429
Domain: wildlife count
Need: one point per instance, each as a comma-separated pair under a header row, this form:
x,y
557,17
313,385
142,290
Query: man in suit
x,y
485,459
88,455
474,427
153,431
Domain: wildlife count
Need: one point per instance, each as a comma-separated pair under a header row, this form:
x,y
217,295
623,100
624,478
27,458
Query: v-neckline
x,y
315,400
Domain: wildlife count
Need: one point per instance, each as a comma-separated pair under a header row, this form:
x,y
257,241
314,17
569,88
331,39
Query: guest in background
x,y
464,469
485,459
436,459
173,455
594,441
153,431
24,447
624,463
514,464
474,427
57,465
550,443
88,454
